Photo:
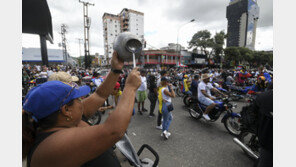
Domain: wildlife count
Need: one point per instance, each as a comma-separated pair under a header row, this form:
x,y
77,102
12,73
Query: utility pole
x,y
64,41
86,31
79,39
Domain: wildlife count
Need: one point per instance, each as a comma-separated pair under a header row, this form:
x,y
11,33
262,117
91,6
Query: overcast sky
x,y
162,19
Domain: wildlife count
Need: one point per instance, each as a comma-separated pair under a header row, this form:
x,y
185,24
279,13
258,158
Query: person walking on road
x,y
142,93
167,93
152,96
163,73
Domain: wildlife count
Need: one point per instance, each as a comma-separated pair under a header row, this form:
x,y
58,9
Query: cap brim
x,y
82,91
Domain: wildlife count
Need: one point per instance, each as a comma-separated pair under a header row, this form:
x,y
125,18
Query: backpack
x,y
249,118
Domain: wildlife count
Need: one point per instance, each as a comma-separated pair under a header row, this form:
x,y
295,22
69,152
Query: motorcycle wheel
x,y
96,119
186,100
232,125
194,111
178,92
250,140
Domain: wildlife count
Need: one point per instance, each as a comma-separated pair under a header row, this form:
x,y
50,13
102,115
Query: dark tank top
x,y
108,158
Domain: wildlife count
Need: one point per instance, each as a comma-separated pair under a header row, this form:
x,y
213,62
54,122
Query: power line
x,y
64,41
87,22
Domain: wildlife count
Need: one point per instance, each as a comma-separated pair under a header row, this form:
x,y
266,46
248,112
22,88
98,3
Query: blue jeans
x,y
167,116
188,93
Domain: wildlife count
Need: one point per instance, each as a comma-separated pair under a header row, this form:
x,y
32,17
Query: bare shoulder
x,y
72,142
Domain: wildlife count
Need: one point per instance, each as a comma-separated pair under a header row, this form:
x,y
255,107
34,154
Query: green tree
x,y
202,39
246,54
232,54
218,43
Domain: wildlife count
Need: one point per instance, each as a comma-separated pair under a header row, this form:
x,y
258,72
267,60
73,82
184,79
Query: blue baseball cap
x,y
50,96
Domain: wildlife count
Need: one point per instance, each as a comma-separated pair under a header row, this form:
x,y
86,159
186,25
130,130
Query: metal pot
x,y
126,44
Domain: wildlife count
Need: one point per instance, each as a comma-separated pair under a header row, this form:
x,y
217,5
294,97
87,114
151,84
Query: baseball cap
x,y
204,76
50,96
117,85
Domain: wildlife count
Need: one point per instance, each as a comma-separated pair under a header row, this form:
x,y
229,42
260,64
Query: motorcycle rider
x,y
186,83
194,85
263,108
204,95
259,86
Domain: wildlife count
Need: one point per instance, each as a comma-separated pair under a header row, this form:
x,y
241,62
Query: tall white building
x,y
127,20
111,28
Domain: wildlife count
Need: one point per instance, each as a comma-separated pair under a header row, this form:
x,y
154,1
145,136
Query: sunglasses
x,y
73,87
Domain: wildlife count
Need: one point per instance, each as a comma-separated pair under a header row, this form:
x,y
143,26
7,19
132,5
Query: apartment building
x,y
127,20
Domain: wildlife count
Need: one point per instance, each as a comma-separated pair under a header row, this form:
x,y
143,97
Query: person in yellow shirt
x,y
186,84
116,93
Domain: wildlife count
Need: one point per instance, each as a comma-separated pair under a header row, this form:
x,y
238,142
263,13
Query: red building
x,y
159,57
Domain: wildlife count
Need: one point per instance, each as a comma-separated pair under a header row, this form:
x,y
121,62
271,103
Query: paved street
x,y
193,143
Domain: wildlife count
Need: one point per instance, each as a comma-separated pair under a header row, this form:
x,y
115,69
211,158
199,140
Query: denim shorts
x,y
206,101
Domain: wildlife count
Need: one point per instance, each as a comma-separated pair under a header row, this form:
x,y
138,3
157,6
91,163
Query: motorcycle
x,y
126,148
186,99
230,119
248,139
178,87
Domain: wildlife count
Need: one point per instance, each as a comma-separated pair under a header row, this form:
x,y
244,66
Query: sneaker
x,y
168,133
206,117
165,134
144,110
140,112
159,127
151,115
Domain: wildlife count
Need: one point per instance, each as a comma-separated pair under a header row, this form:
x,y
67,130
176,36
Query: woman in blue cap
x,y
55,135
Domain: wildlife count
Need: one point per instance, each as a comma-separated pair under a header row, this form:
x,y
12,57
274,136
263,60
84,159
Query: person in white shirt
x,y
163,73
167,93
98,80
50,72
204,95
43,76
142,95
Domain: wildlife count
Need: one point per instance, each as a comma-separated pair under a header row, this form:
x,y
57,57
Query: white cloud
x,y
161,23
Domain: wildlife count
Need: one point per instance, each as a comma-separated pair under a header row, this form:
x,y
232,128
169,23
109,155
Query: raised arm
x,y
93,102
75,146
171,94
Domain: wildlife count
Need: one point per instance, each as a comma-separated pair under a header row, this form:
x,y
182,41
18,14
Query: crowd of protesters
x,y
156,82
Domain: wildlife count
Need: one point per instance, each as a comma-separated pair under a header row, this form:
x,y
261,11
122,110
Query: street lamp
x,y
179,50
